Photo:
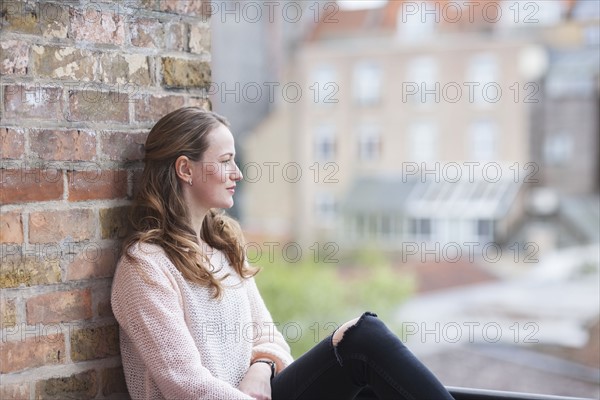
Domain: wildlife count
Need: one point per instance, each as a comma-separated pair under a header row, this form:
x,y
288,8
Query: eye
x,y
226,161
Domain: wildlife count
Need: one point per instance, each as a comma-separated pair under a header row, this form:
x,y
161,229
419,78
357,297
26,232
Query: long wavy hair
x,y
160,215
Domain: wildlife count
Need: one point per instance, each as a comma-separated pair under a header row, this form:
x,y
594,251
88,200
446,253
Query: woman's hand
x,y
257,381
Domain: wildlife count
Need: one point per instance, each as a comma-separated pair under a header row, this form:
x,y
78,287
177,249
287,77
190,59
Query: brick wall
x,y
81,82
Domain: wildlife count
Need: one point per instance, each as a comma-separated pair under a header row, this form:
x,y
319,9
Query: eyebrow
x,y
227,154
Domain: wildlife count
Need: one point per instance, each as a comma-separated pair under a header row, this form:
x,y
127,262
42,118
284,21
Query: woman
x,y
192,322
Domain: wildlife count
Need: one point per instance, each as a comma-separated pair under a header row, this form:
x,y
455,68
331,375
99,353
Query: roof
x,y
349,23
385,194
382,21
431,198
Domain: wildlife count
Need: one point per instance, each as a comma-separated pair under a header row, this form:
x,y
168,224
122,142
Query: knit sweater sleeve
x,y
148,306
268,341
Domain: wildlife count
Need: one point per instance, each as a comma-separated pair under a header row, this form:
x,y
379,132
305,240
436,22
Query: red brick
x,y
124,146
18,391
96,26
104,307
55,226
71,145
176,37
14,57
54,20
94,185
151,5
148,33
201,102
93,106
32,352
199,38
26,185
60,307
152,107
33,102
187,7
136,180
13,143
11,227
93,262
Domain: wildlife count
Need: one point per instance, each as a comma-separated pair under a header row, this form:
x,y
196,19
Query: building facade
x,y
390,111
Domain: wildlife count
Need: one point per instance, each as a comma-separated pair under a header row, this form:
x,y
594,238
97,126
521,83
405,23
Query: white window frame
x,y
325,208
424,73
483,69
423,141
322,75
325,142
483,140
367,82
369,141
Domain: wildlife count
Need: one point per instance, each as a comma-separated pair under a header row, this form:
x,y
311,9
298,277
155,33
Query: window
x,y
421,79
366,86
360,225
423,137
323,84
374,229
325,208
485,230
324,142
558,149
386,226
369,142
483,75
415,27
482,139
526,13
420,228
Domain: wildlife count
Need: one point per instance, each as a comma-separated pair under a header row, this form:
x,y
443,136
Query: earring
x,y
190,181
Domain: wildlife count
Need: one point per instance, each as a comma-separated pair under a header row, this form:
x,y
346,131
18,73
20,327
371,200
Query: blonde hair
x,y
160,215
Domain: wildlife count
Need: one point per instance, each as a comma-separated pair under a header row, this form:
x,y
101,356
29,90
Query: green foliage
x,y
310,299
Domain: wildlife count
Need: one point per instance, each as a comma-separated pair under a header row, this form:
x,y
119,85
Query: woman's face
x,y
214,177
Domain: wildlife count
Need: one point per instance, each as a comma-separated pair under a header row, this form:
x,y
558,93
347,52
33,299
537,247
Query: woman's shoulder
x,y
145,262
145,250
148,255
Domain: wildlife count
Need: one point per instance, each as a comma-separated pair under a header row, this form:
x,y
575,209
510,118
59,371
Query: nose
x,y
237,174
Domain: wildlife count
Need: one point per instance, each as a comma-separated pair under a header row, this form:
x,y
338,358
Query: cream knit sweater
x,y
179,343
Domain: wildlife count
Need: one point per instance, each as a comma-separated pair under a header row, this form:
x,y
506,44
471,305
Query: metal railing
x,y
460,393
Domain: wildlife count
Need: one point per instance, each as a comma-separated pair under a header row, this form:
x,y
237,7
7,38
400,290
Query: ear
x,y
183,168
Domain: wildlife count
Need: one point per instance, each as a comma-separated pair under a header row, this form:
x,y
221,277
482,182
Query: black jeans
x,y
370,362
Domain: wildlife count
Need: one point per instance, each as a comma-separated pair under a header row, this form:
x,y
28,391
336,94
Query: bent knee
x,y
339,333
367,324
